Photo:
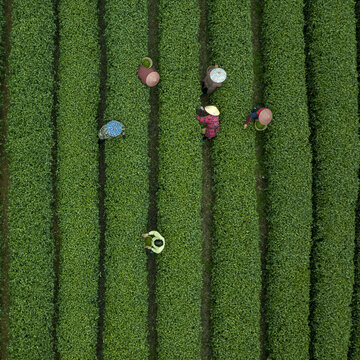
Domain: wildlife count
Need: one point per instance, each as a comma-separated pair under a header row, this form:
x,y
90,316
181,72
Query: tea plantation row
x,y
77,179
334,113
236,275
126,201
29,142
354,352
179,275
289,186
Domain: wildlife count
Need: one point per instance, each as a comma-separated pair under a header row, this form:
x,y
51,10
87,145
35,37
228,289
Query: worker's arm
x,y
247,122
253,115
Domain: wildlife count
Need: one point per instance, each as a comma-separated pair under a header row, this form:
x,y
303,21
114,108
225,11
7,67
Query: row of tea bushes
x,y
236,274
354,352
334,114
126,201
289,186
29,142
77,179
179,275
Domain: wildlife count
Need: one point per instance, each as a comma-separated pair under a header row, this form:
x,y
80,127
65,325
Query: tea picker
x,y
211,120
112,129
147,74
154,242
261,116
214,78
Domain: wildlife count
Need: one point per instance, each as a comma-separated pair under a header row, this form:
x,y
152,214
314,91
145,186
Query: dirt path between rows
x,y
55,221
4,189
260,173
102,178
207,201
355,303
153,141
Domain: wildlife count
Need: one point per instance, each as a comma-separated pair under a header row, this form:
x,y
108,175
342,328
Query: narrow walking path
x,y
258,89
4,188
153,133
55,224
207,195
102,178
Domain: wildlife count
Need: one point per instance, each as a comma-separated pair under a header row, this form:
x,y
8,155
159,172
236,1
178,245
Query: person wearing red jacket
x,y
211,120
262,115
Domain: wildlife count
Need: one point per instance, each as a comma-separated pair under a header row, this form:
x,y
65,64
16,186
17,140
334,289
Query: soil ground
x,y
55,225
153,134
207,196
260,173
102,178
4,188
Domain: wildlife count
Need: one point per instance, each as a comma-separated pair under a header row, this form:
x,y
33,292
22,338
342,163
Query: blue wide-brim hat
x,y
114,128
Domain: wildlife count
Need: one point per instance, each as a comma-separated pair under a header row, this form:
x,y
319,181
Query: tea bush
x,y
334,105
127,167
355,338
289,186
29,141
179,275
236,273
77,180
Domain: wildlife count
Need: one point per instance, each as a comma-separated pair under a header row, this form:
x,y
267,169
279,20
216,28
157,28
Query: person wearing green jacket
x,y
154,242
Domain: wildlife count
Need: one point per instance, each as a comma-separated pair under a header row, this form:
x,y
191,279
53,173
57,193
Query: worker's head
x,y
212,110
265,116
159,242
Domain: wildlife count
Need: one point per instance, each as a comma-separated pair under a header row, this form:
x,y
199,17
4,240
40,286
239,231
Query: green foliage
x,y
179,276
236,276
354,352
77,181
334,105
28,145
2,45
127,167
289,186
2,126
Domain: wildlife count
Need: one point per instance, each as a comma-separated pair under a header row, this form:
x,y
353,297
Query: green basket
x,y
259,126
147,62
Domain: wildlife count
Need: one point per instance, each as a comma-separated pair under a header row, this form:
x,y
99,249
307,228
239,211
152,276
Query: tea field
x,y
262,228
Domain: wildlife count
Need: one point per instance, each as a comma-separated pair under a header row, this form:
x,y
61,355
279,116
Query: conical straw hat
x,y
212,110
265,116
218,75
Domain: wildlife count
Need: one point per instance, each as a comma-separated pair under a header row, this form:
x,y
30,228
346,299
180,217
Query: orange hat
x,y
152,79
265,116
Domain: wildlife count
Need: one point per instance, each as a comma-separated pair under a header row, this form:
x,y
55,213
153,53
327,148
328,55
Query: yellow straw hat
x,y
212,110
265,116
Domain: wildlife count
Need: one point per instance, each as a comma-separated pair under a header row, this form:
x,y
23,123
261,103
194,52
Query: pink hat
x,y
152,79
265,116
